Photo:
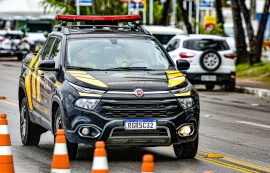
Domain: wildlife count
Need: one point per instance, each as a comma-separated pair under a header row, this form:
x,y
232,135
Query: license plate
x,y
208,78
140,124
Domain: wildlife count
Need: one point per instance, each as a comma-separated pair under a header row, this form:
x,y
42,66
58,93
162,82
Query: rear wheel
x,y
58,124
30,132
186,150
210,86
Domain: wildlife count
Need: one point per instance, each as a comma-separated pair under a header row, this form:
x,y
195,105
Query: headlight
x,y
87,103
182,90
186,102
86,90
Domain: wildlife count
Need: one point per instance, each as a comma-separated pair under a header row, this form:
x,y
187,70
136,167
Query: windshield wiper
x,y
81,68
129,68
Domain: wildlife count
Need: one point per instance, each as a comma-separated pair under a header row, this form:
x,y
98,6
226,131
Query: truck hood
x,y
126,80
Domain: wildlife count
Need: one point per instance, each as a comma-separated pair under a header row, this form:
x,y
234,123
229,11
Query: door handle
x,y
42,75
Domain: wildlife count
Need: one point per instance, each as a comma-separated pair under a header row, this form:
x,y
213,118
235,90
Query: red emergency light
x,y
74,18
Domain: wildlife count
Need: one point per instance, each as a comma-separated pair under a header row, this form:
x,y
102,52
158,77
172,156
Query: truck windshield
x,y
116,53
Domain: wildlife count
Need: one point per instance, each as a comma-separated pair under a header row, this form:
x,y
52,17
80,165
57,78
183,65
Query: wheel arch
x,y
21,94
57,103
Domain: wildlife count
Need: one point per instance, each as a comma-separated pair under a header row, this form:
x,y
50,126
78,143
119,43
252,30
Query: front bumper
x,y
113,132
4,52
221,78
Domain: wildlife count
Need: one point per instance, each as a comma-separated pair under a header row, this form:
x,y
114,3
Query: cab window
x,y
173,45
48,48
55,55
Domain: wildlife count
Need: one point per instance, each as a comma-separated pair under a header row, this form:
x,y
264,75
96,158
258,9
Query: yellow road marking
x,y
218,162
12,100
11,103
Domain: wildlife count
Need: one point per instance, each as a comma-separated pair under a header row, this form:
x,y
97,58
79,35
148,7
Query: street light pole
x,y
78,10
151,4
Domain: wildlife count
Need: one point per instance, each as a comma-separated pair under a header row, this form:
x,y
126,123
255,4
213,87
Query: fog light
x,y
89,132
85,131
186,131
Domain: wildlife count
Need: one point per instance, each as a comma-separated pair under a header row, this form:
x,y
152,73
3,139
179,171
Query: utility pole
x,y
151,6
78,10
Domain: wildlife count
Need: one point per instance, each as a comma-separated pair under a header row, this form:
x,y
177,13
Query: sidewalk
x,y
252,87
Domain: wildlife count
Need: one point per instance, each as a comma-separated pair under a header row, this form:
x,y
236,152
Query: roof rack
x,y
98,22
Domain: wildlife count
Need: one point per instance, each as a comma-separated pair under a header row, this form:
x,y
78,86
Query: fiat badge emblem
x,y
138,92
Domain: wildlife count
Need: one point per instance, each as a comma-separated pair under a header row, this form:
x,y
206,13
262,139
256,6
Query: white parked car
x,y
211,59
163,33
12,43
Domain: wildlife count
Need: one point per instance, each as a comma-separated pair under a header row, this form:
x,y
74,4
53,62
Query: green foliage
x,y
217,30
258,71
158,12
59,7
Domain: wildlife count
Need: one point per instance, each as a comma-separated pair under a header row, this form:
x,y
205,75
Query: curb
x,y
254,91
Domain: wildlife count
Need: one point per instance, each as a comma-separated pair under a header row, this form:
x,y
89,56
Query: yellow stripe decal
x,y
172,71
34,77
58,84
38,86
182,94
176,81
89,95
174,75
27,82
87,78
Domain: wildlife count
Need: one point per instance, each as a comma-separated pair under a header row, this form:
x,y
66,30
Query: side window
x,y
48,48
173,45
56,52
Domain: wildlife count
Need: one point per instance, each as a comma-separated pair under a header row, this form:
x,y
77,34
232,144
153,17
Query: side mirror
x,y
182,64
47,65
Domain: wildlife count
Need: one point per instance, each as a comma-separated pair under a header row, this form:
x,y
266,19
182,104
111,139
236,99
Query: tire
x,y
210,60
30,132
210,86
186,150
58,124
20,57
230,86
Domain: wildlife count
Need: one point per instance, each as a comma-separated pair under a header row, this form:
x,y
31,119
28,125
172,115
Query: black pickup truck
x,y
103,81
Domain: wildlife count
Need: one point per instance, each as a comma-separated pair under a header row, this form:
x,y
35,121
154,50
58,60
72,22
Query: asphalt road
x,y
237,126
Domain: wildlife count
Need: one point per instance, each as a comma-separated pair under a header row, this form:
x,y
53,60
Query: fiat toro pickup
x,y
109,82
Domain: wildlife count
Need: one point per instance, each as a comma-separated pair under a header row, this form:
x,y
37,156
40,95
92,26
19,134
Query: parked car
x,y
163,33
211,59
110,83
12,43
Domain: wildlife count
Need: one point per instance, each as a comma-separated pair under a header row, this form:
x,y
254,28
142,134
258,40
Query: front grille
x,y
123,132
131,109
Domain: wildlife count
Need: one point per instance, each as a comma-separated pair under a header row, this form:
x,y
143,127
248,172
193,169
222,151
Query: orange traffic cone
x,y
6,159
148,164
100,162
60,162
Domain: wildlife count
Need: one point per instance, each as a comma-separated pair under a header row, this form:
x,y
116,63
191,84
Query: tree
x,y
185,16
255,41
219,13
94,5
240,42
166,11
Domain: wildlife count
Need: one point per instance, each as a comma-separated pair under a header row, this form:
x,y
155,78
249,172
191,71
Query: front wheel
x,y
186,150
58,124
30,132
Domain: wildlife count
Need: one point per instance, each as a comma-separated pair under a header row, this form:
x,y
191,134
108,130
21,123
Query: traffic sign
x,y
137,1
205,5
133,6
84,2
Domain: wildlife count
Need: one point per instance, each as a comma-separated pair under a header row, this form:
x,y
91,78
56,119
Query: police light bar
x,y
74,18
